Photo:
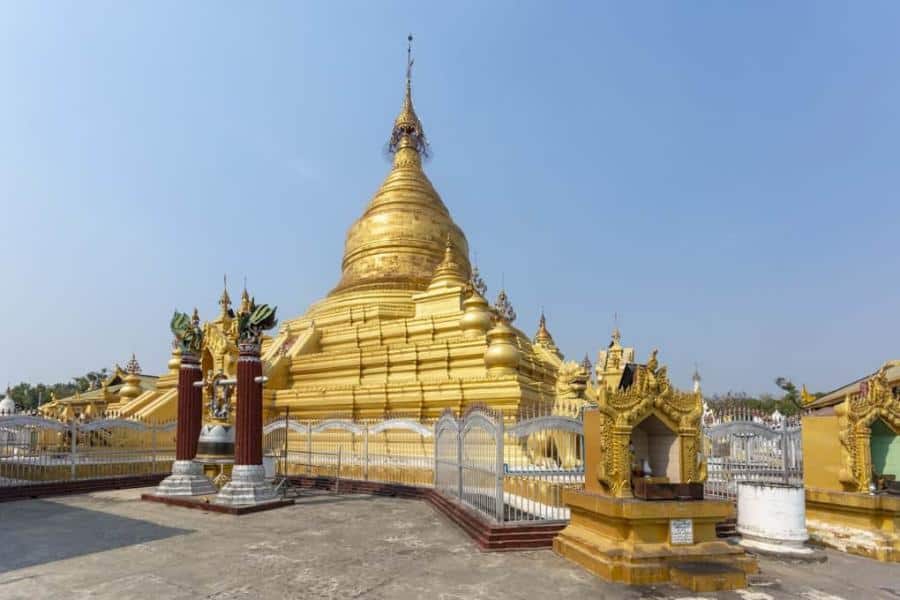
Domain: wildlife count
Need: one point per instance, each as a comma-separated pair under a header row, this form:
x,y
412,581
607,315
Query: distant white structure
x,y
7,405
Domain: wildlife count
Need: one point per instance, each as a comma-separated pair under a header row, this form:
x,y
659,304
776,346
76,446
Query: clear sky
x,y
722,175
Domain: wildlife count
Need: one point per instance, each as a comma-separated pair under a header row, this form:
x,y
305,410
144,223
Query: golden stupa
x,y
405,330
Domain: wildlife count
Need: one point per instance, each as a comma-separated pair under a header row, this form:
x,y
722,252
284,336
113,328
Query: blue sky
x,y
721,175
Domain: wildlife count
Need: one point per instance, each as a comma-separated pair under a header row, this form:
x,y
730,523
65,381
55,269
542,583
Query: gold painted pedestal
x,y
627,540
863,524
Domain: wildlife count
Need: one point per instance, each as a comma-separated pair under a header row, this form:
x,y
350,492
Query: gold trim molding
x,y
855,417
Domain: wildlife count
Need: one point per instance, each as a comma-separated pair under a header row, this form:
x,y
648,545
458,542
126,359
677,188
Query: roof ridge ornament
x,y
476,282
504,307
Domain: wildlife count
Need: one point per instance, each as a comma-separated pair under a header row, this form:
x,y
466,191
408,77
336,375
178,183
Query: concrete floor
x,y
112,545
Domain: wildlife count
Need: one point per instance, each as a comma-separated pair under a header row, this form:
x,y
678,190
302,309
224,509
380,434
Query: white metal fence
x,y
396,450
36,450
507,469
514,473
751,451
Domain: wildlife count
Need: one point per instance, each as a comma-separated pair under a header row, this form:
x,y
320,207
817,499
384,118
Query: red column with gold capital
x,y
187,478
248,485
248,418
189,407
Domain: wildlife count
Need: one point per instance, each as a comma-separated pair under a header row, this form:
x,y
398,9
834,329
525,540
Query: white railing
x,y
36,450
751,451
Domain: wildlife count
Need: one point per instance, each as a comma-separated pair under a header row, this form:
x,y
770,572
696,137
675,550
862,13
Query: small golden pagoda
x,y
851,466
640,518
119,389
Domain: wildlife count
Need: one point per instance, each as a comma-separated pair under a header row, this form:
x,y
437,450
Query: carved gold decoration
x,y
650,393
855,417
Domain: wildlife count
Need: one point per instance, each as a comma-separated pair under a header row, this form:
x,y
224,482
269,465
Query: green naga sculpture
x,y
255,320
187,332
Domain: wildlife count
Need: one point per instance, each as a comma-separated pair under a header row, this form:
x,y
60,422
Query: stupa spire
x,y
543,334
245,299
399,241
449,270
225,299
408,131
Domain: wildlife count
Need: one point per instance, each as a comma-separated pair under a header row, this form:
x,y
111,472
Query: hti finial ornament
x,y
409,58
407,125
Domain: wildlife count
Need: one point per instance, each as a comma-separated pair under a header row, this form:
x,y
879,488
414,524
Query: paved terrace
x,y
112,545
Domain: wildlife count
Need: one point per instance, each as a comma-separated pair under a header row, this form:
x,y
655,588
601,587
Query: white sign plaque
x,y
681,531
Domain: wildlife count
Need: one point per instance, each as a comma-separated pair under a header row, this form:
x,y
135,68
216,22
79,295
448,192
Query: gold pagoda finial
x,y
503,307
225,299
543,334
616,334
407,126
448,270
133,367
245,299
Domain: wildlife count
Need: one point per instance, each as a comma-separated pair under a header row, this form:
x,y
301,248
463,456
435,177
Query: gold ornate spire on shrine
x,y
503,307
245,299
400,239
133,367
543,334
543,337
448,272
225,299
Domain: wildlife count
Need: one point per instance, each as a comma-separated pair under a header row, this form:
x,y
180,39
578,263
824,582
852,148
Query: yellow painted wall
x,y
821,453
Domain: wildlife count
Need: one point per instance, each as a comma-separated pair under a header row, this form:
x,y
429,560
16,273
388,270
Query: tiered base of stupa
x,y
248,487
639,542
187,479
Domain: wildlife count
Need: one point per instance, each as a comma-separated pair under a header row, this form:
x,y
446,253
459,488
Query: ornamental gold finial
x,y
407,126
503,307
245,299
448,270
543,334
225,299
133,367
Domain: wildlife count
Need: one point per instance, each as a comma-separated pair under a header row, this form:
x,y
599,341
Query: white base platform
x,y
248,486
187,479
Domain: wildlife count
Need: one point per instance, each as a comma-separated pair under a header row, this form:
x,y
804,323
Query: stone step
x,y
707,576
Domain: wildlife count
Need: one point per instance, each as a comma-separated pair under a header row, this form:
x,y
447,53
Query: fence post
x,y
153,449
784,451
284,460
459,457
309,447
500,470
337,479
73,445
366,455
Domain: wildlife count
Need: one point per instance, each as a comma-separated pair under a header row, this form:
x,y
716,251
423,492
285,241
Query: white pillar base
x,y
248,486
781,548
772,519
187,479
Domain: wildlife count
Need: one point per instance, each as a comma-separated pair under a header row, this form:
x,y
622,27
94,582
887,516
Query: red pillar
x,y
189,408
248,418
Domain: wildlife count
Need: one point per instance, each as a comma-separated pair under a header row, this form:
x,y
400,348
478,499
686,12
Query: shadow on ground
x,y
35,532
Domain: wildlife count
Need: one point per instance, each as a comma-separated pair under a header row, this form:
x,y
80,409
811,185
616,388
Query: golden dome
x,y
476,319
400,238
502,354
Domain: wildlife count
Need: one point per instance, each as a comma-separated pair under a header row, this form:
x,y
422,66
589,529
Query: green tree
x,y
28,396
790,402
